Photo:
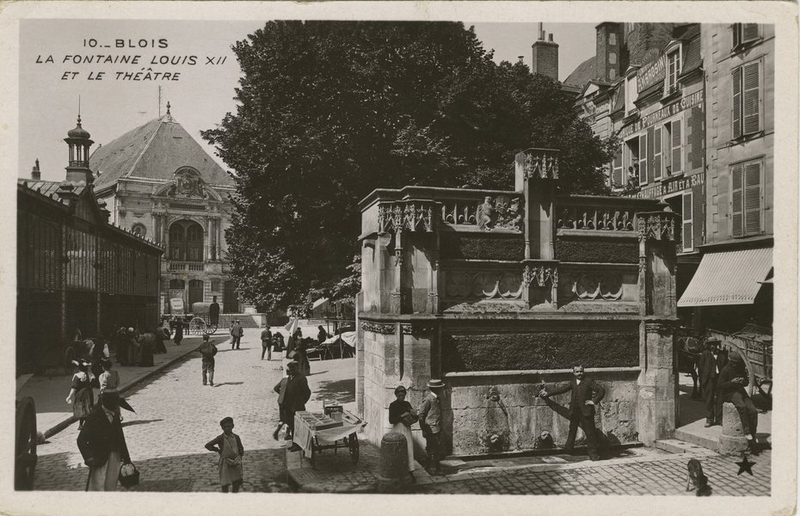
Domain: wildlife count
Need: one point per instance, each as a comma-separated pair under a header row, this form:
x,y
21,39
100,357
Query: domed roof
x,y
79,132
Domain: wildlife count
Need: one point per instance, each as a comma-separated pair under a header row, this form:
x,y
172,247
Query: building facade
x,y
158,182
739,63
692,107
75,270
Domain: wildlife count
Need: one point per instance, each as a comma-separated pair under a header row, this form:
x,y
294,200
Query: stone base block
x,y
393,476
731,421
732,441
731,445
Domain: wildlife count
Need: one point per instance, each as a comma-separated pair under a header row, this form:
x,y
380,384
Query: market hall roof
x,y
154,150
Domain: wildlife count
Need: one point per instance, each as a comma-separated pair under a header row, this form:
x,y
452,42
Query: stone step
x,y
696,439
679,446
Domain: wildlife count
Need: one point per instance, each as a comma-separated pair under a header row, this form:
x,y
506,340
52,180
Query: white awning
x,y
728,278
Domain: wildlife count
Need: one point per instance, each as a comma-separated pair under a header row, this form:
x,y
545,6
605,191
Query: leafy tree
x,y
329,111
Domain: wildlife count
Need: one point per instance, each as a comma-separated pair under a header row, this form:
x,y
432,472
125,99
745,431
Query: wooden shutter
x,y
736,28
752,198
751,97
677,148
737,210
657,153
749,32
643,179
616,175
688,224
737,103
651,173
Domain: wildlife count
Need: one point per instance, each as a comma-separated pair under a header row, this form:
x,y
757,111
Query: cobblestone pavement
x,y
665,476
176,415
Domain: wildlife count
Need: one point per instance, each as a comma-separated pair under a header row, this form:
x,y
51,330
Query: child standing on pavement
x,y
230,449
208,350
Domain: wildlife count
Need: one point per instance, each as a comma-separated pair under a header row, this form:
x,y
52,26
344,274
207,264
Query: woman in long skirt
x,y
401,416
178,331
81,395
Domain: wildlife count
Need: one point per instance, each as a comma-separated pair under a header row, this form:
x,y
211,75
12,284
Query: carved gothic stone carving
x,y
540,276
483,285
590,287
410,216
374,327
415,329
500,212
657,226
541,166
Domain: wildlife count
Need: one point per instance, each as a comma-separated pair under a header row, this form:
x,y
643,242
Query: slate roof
x,y
49,188
584,73
154,150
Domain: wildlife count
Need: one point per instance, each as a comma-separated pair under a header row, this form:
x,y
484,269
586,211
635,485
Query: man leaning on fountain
x,y
586,393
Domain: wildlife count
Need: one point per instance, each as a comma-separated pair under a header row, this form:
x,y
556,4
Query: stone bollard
x,y
393,473
732,440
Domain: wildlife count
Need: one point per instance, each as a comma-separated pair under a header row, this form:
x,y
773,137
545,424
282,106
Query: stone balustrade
x,y
590,213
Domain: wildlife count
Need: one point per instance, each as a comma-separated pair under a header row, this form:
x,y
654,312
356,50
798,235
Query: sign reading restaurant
x,y
670,186
655,117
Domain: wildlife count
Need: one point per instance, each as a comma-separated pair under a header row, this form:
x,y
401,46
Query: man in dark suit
x,y
709,365
102,444
586,393
293,394
213,312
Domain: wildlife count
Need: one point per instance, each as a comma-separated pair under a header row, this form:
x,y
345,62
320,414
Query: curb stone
x,y
61,425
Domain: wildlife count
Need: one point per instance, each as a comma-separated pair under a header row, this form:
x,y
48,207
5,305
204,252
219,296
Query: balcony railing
x,y
186,266
590,213
486,212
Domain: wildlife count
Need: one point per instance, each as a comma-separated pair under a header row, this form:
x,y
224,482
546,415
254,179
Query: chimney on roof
x,y
545,56
36,174
608,51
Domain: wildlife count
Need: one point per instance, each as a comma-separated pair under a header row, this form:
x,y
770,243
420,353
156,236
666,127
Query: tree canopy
x,y
328,111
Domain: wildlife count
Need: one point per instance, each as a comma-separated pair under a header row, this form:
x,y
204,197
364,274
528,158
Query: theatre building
x,y
159,183
76,270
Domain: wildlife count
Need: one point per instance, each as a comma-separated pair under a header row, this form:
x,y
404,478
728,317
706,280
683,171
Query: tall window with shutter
x,y
747,99
746,199
688,224
642,157
657,153
616,174
676,144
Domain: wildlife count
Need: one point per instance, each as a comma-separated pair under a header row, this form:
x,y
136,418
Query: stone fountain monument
x,y
497,292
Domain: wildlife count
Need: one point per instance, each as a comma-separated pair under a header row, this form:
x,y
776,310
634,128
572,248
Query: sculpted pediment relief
x,y
187,184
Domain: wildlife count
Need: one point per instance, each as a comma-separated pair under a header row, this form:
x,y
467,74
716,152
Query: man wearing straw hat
x,y
430,421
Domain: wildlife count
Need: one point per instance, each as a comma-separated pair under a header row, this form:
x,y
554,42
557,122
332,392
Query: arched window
x,y
186,241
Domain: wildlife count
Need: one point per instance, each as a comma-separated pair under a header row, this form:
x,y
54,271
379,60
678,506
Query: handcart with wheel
x,y
316,432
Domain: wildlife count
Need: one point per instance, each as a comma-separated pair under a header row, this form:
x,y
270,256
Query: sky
x,y
112,104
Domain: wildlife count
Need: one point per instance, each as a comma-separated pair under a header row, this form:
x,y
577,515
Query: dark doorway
x,y
230,301
195,292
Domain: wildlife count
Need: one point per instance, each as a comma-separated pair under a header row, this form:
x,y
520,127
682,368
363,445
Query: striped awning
x,y
728,278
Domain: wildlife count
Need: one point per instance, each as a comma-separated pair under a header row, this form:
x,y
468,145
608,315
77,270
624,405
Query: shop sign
x,y
662,114
651,74
671,186
176,301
